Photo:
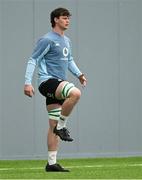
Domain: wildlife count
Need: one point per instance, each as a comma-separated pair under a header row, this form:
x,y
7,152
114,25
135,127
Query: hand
x,y
28,90
82,80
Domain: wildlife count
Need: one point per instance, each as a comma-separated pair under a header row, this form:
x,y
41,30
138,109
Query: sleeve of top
x,y
40,50
73,68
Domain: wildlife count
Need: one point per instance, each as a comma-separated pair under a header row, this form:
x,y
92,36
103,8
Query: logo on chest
x,y
65,52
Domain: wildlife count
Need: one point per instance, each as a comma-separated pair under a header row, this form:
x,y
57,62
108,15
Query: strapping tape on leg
x,y
54,114
67,89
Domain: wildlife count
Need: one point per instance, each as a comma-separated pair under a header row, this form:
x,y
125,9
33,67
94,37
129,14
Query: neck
x,y
58,30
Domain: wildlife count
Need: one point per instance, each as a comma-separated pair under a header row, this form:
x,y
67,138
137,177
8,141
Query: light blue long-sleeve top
x,y
53,57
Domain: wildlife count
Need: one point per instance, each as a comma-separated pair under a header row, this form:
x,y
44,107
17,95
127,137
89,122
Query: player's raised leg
x,y
71,94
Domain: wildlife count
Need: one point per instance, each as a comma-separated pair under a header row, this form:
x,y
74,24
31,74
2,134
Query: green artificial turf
x,y
95,168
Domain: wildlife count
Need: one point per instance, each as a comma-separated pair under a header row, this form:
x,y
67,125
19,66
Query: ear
x,y
56,19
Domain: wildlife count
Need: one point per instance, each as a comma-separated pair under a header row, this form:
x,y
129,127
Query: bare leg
x,y
72,95
52,139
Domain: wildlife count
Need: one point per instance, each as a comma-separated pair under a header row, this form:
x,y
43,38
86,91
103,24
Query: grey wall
x,y
107,43
0,85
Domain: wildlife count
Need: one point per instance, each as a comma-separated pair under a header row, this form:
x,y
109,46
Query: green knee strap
x,y
66,89
54,114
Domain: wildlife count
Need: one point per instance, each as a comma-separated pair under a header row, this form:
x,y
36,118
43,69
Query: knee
x,y
75,93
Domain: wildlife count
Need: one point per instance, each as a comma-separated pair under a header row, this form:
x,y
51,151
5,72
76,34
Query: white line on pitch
x,y
85,166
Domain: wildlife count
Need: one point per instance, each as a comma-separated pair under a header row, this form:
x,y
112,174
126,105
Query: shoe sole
x,y
57,171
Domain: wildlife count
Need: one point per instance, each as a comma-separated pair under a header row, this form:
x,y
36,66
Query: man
x,y
52,55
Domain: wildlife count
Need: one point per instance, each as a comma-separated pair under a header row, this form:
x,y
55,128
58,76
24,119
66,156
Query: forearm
x,y
30,71
73,68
